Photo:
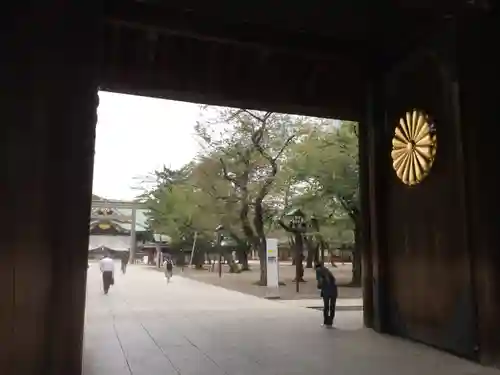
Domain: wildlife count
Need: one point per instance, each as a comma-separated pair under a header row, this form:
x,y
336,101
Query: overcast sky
x,y
136,135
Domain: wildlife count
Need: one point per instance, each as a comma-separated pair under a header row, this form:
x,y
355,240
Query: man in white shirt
x,y
107,266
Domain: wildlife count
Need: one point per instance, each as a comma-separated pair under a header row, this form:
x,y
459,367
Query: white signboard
x,y
272,268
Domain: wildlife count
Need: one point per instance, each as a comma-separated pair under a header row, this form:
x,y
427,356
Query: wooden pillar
x,y
374,152
133,238
49,96
364,180
479,77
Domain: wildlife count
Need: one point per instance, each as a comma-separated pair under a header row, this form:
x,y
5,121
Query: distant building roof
x,y
121,216
107,227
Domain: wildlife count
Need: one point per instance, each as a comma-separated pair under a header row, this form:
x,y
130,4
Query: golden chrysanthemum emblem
x,y
413,147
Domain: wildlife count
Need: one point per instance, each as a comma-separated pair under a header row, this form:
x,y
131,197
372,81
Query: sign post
x,y
272,267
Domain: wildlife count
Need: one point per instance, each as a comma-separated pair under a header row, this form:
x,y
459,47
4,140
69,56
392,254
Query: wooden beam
x,y
117,204
125,218
174,21
235,77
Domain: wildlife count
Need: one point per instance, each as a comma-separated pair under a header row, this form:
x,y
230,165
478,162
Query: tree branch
x,y
287,228
227,199
285,145
354,128
260,119
352,211
226,174
274,166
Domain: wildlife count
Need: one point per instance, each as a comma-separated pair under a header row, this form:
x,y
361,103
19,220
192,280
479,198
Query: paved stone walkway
x,y
342,304
146,327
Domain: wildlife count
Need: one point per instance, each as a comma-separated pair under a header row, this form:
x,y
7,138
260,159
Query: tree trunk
x,y
243,258
258,223
198,259
309,242
356,268
299,249
356,259
310,256
291,244
263,265
316,253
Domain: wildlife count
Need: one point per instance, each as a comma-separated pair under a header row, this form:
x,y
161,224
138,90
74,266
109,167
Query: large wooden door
x,y
430,294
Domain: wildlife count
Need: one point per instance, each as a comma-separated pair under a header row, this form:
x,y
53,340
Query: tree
x,y
314,241
174,207
250,149
254,166
221,204
327,166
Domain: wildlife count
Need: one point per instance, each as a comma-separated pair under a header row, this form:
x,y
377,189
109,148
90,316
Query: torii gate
x,y
117,204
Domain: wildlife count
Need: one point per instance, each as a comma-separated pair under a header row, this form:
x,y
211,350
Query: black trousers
x,y
107,280
329,309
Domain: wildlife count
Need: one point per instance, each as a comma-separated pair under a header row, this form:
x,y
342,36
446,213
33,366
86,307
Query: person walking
x,y
169,268
328,286
124,262
107,267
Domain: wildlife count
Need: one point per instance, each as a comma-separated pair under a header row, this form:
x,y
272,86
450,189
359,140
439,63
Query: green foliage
x,y
250,146
326,170
253,167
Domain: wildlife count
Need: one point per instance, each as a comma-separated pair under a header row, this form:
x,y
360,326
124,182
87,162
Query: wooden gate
x,y
430,293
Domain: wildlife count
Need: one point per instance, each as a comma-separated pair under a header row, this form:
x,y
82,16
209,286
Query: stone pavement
x,y
146,327
343,304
